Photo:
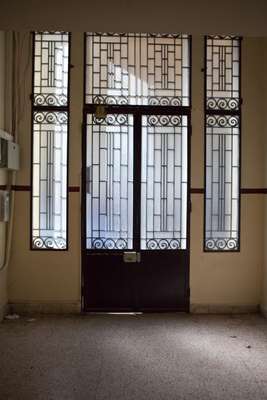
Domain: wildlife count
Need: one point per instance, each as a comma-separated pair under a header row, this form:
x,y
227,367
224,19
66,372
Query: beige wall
x,y
3,274
243,17
231,279
264,277
53,278
48,277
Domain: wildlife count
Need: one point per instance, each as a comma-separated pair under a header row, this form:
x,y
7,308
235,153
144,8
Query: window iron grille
x,y
50,115
222,143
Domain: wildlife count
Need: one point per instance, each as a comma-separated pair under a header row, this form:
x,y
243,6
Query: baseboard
x,y
223,309
75,308
263,311
3,311
45,308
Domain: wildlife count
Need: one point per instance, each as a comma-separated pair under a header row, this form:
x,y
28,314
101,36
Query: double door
x,y
135,213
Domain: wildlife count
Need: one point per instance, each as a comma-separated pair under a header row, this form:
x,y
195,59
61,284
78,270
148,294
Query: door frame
x,y
137,111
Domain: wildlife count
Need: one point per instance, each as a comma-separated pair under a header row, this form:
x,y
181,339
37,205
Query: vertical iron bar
x,y
137,146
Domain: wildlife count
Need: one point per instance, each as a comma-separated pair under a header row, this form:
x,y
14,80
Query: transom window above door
x,y
137,69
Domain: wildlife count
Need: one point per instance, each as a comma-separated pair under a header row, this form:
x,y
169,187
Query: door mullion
x,y
137,181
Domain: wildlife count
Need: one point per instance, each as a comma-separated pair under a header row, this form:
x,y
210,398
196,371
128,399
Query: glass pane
x,y
51,65
222,182
164,182
49,184
145,69
222,143
222,73
109,182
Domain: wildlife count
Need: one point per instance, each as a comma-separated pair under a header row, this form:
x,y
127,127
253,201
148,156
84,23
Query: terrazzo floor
x,y
134,357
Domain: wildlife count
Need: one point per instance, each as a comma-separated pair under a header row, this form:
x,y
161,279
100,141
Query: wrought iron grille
x,y
109,182
50,140
222,143
164,182
51,66
222,73
137,69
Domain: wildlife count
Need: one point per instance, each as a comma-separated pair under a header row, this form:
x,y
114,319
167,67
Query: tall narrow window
x,y
222,143
50,117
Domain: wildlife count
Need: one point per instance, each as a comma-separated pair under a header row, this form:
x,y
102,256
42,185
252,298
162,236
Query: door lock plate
x,y
100,112
131,257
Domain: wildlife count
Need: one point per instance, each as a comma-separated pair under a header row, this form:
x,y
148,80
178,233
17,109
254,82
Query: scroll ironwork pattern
x,y
49,243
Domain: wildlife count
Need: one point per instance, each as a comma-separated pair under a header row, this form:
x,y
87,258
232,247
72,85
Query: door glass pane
x,y
109,182
164,182
137,69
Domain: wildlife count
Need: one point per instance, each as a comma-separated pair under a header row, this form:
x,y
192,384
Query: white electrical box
x,y
4,206
9,154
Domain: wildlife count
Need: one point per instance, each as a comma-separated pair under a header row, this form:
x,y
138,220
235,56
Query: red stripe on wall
x,y
21,188
76,189
197,190
254,190
27,188
243,190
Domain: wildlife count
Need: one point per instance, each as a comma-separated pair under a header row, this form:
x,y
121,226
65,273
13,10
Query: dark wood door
x,y
135,210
